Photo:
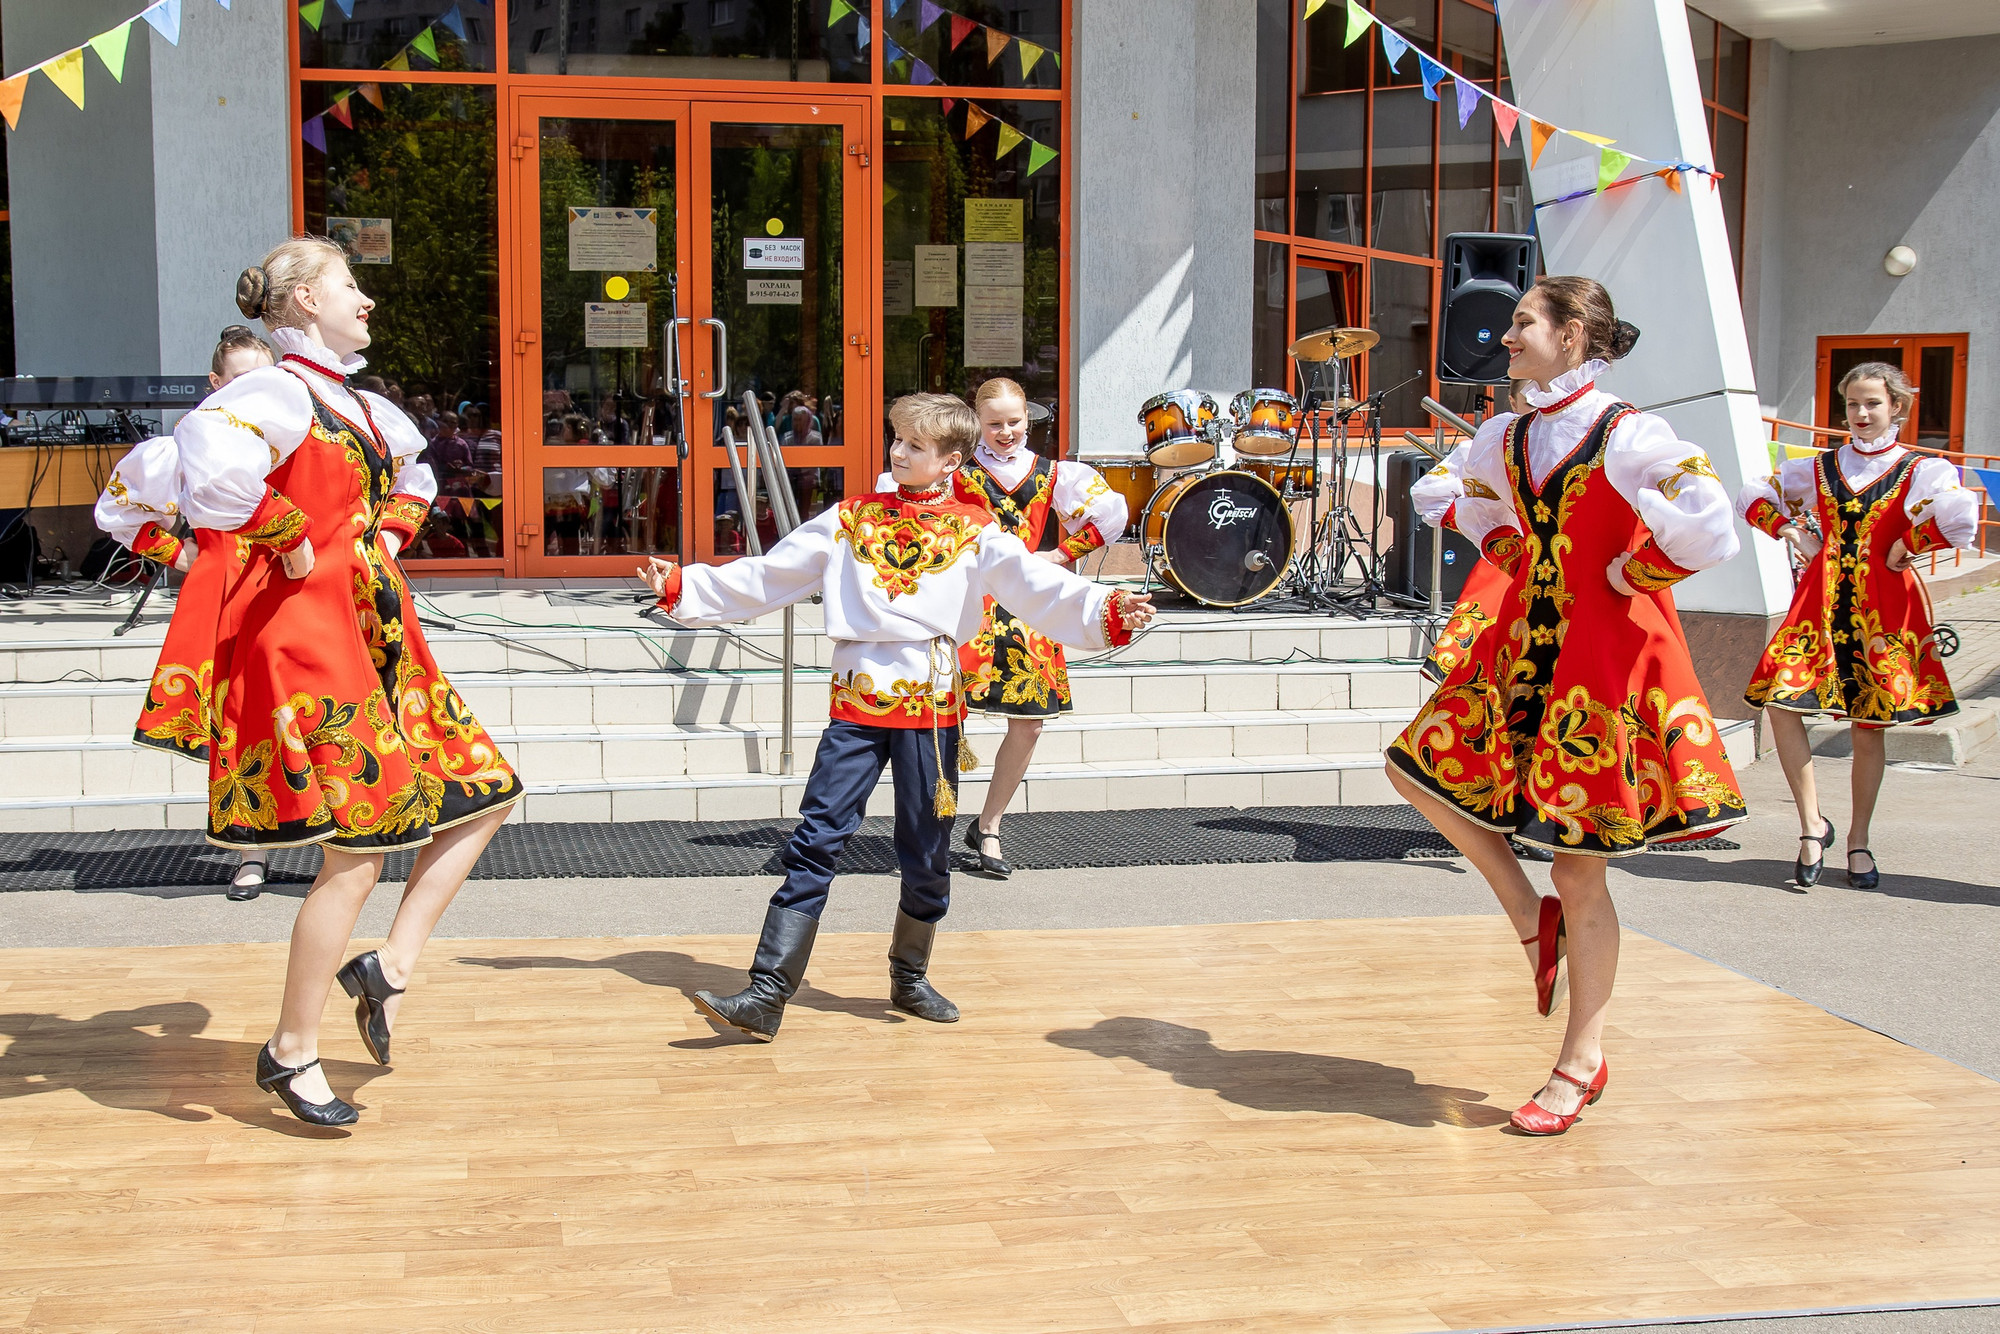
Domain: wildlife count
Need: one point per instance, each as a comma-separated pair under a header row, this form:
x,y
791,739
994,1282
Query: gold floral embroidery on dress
x,y
1649,570
155,543
1092,489
404,511
187,729
901,547
236,421
282,531
121,496
856,693
1694,466
1476,488
241,797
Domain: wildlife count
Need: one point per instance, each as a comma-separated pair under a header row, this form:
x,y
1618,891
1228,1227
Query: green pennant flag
x,y
1609,163
1358,20
110,47
1039,156
425,45
312,12
836,10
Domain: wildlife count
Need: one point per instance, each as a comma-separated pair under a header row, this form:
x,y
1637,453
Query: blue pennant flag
x,y
891,53
455,21
861,34
346,8
1393,44
896,7
1433,75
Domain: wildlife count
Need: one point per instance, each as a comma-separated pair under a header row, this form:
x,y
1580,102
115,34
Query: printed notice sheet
x,y
937,275
623,240
366,240
899,287
614,324
776,292
993,326
994,264
993,220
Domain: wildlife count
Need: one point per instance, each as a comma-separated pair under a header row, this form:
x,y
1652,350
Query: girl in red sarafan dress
x,y
1857,641
331,722
139,508
1573,720
1062,511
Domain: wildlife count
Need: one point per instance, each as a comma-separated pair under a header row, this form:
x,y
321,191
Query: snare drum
x,y
1267,422
1180,428
1135,482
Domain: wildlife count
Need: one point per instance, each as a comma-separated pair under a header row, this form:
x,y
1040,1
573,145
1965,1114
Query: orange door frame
x,y
1913,346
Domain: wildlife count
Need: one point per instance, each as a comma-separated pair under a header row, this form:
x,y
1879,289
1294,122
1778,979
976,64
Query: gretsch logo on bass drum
x,y
1224,511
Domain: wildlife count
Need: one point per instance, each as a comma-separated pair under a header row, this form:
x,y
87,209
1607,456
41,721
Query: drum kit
x,y
1250,506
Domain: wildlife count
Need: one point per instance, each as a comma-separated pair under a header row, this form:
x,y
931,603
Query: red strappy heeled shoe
x,y
1531,1118
1551,942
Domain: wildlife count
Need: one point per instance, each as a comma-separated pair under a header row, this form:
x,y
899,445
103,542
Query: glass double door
x,y
681,289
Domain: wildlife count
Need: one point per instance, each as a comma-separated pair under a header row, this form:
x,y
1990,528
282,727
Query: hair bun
x,y
1624,337
253,292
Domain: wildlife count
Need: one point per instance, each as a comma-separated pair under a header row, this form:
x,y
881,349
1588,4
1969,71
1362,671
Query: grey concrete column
x,y
1626,70
132,217
1161,210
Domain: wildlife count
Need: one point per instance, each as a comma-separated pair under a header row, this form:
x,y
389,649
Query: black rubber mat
x,y
1044,840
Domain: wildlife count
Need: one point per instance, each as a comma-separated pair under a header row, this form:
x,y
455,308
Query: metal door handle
x,y
721,359
676,382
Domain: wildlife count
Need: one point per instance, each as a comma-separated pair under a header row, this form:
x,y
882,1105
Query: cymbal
x,y
1329,344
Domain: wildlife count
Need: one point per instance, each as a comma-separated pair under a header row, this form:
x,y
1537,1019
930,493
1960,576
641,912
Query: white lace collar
x,y
291,342
1020,454
1566,384
1881,444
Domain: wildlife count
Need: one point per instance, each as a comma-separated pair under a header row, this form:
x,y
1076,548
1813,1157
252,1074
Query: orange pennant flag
x,y
373,92
11,93
975,119
1539,133
1672,178
996,42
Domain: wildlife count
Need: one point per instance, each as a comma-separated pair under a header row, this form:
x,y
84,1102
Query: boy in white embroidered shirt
x,y
905,575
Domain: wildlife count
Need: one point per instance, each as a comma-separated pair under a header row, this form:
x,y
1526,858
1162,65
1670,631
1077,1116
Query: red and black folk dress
x,y
331,722
1570,716
140,508
1857,641
1011,668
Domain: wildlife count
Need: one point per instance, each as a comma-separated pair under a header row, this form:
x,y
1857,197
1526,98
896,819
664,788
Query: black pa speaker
x,y
1409,558
1485,274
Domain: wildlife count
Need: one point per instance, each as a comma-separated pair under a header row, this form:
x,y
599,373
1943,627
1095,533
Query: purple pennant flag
x,y
1433,74
314,133
455,21
1393,44
921,73
1468,100
927,14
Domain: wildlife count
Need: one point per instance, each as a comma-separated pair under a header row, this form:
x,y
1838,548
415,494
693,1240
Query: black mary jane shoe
x,y
362,979
1808,876
275,1078
994,868
1528,852
248,882
1867,879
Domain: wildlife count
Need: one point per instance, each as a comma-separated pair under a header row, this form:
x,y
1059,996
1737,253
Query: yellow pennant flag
x,y
401,63
11,93
1010,139
996,42
1597,139
66,73
110,46
1313,7
1030,53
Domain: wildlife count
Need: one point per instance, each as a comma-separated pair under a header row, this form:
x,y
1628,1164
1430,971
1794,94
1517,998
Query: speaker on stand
x,y
1485,274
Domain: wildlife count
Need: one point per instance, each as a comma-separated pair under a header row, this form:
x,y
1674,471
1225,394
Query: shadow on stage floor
x,y
1775,875
1282,1081
154,1059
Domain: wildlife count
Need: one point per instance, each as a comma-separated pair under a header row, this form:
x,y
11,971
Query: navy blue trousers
x,y
845,770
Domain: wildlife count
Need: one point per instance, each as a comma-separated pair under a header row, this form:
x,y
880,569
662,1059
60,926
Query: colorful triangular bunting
x,y
961,28
861,34
1597,139
346,8
1539,132
312,12
1672,177
314,133
1432,74
836,10
1313,7
1358,20
1010,139
166,19
11,93
945,104
996,42
1505,114
920,72
1468,100
1039,156
896,7
927,14
891,53
976,117
340,113
1030,53
1609,163
110,47
454,20
373,92
425,45
66,73
400,62
1393,44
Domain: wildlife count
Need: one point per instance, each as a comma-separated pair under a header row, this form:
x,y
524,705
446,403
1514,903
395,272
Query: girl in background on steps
x,y
1856,643
1062,512
140,507
1573,719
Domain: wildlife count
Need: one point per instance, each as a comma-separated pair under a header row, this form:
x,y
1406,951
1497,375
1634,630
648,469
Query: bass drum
x,y
1222,538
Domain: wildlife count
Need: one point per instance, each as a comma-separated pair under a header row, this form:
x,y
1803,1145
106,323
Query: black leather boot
x,y
909,959
776,974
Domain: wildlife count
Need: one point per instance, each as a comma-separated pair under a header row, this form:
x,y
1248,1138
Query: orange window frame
x,y
865,415
1912,346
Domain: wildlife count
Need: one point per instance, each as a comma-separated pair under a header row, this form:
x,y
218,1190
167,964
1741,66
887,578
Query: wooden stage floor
x,y
1281,1126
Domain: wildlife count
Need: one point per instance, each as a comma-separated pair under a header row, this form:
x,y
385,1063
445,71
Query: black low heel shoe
x,y
1808,876
362,979
993,867
275,1078
1867,879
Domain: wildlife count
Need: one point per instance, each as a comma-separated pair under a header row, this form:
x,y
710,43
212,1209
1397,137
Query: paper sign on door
x,y
623,240
614,324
